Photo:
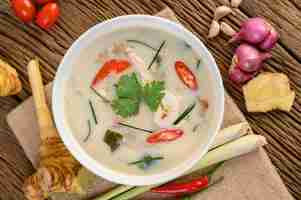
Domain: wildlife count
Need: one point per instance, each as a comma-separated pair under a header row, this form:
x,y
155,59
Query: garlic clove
x,y
227,29
214,29
235,3
226,2
221,12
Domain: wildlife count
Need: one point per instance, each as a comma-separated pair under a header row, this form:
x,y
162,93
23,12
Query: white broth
x,y
130,46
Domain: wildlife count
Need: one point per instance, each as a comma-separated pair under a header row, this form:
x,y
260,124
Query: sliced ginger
x,y
9,81
268,91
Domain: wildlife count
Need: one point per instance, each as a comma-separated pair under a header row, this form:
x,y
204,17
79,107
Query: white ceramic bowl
x,y
216,108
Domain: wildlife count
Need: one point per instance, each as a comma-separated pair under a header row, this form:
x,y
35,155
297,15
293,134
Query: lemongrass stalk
x,y
114,192
230,133
228,151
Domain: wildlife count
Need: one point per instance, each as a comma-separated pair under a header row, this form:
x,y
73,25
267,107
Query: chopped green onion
x,y
89,131
146,161
104,99
184,114
142,43
198,64
156,55
133,127
93,111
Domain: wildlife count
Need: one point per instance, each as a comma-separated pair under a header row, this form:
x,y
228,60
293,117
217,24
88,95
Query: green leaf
x,y
129,87
153,94
146,161
125,107
113,139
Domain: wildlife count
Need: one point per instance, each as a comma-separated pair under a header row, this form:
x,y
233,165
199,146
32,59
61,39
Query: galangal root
x,y
57,168
268,91
9,81
56,172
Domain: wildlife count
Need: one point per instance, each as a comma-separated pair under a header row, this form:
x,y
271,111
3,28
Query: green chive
x,y
184,114
89,131
104,99
198,64
93,111
147,160
142,43
133,127
156,55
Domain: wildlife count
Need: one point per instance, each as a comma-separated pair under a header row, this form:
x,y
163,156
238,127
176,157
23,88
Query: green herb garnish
x,y
89,131
130,93
129,87
133,127
153,94
104,99
187,198
113,139
125,107
146,161
156,55
184,114
93,111
142,43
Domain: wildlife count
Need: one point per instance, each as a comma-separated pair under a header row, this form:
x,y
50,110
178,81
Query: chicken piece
x,y
168,110
268,91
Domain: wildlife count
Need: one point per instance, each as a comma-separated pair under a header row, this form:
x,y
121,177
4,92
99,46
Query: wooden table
x,y
19,43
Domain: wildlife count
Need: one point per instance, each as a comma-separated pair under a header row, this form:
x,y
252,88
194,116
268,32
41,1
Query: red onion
x,y
253,31
270,41
248,58
238,76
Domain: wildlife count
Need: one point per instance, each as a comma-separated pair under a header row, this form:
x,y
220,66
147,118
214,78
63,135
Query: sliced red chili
x,y
183,188
165,135
186,75
111,66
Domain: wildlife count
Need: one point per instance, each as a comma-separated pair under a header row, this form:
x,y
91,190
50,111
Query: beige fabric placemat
x,y
249,177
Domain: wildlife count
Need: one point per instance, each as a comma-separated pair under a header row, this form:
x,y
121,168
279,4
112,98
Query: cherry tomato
x,y
24,10
165,135
42,2
114,65
186,75
48,15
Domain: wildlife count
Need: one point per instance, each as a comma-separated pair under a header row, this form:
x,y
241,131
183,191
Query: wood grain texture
x,y
19,43
14,167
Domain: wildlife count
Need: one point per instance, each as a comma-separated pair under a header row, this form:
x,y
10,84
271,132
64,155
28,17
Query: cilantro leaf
x,y
125,107
153,94
129,87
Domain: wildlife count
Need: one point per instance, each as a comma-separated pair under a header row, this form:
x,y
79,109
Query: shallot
x,y
238,76
270,41
254,31
248,58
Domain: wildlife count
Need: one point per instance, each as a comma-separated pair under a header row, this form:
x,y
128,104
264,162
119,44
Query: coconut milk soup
x,y
139,105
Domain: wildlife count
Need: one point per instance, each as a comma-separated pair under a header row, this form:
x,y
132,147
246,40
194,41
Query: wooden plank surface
x,y
19,43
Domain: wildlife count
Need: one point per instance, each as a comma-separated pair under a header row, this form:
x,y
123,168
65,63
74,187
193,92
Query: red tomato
x,y
24,10
48,15
186,75
42,2
114,65
165,135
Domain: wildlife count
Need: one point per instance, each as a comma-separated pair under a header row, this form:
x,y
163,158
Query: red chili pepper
x,y
186,75
183,188
111,66
165,135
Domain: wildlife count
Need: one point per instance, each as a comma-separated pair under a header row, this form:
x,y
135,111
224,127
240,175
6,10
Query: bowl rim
x,y
88,161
